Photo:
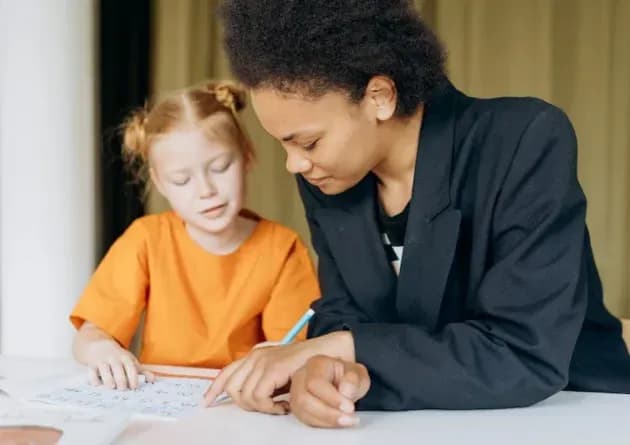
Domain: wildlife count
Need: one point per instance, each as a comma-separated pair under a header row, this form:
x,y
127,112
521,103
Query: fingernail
x,y
347,390
348,420
346,407
221,398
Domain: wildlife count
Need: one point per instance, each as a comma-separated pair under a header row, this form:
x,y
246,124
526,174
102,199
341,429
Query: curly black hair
x,y
313,46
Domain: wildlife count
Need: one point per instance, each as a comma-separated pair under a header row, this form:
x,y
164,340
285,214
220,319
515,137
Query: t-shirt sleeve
x,y
116,294
295,289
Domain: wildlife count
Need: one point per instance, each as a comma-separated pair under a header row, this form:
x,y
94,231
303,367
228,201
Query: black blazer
x,y
498,302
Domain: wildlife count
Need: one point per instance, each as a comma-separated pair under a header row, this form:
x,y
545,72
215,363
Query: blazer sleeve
x,y
516,348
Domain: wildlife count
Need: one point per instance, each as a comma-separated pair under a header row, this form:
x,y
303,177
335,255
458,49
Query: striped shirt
x,y
393,235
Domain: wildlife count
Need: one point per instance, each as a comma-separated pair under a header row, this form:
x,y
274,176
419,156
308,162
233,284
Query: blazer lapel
x,y
432,226
358,251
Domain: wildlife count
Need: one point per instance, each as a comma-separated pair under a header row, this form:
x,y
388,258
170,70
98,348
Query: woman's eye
x,y
310,146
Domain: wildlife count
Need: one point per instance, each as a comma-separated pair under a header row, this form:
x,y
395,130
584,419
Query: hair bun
x,y
229,94
135,136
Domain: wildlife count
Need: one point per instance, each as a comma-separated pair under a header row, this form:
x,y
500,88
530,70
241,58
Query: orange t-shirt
x,y
200,309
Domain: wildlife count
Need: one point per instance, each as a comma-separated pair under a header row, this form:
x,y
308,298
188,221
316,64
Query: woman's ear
x,y
381,94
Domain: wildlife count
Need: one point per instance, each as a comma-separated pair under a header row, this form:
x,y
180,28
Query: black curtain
x,y
124,41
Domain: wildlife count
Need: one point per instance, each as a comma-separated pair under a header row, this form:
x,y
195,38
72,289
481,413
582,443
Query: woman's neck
x,y
225,242
395,172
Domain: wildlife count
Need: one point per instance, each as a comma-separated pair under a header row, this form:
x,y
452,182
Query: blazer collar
x,y
431,184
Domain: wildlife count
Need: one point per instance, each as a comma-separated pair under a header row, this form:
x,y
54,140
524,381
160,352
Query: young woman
x,y
454,259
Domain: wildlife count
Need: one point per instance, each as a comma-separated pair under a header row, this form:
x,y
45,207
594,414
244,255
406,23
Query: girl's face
x,y
201,172
332,142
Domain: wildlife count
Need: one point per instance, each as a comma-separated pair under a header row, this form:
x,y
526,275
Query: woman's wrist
x,y
338,344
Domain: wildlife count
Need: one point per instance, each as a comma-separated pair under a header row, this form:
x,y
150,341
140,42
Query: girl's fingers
x,y
106,376
148,374
130,368
93,376
118,371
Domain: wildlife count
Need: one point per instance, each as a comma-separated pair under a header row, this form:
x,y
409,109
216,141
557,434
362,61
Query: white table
x,y
566,418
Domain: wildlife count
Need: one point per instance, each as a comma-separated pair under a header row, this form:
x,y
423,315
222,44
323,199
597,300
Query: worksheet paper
x,y
169,397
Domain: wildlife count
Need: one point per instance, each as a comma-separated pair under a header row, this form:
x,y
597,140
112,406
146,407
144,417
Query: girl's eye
x,y
310,146
220,168
181,182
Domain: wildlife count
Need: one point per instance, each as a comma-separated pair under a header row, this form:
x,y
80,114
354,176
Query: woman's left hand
x,y
324,392
254,380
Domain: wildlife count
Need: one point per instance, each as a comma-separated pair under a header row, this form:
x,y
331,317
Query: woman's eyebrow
x,y
298,134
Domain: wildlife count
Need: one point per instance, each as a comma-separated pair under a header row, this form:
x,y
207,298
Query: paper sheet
x,y
167,397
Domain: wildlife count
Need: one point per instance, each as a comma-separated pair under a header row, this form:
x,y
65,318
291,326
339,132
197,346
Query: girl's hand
x,y
114,367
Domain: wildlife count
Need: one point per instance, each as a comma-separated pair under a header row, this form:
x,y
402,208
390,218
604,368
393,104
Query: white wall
x,y
47,174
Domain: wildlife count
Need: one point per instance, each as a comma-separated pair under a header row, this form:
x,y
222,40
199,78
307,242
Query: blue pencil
x,y
288,338
295,330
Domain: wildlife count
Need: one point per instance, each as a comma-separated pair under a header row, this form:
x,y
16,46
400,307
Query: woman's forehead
x,y
284,114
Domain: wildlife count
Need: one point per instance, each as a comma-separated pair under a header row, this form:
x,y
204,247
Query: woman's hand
x,y
265,372
325,389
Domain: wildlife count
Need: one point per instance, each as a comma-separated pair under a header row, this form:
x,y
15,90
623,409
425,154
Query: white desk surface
x,y
567,418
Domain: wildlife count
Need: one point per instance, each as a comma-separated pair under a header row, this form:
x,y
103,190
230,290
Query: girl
x,y
454,259
212,278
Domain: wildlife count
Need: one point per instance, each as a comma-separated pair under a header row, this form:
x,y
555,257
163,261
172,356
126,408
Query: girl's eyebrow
x,y
220,155
181,170
186,170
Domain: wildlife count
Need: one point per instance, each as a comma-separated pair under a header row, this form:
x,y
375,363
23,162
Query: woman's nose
x,y
297,164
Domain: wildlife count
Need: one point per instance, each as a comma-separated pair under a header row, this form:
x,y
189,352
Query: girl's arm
x,y
108,363
107,314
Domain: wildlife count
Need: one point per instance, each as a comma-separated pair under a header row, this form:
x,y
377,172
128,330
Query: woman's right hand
x,y
114,367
